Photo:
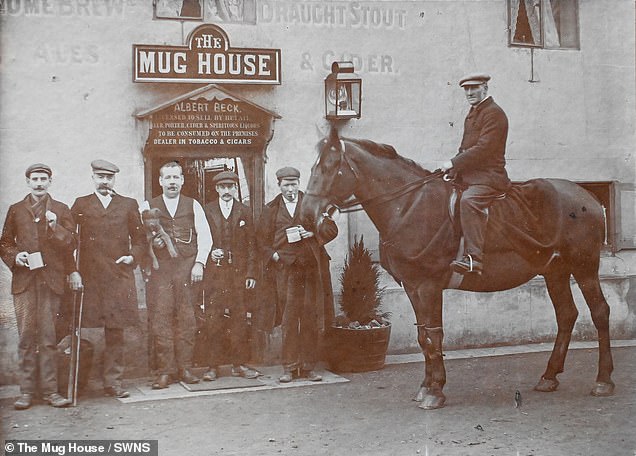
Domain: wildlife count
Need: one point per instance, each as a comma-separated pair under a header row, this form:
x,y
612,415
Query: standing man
x,y
300,265
37,245
480,167
230,272
112,243
173,287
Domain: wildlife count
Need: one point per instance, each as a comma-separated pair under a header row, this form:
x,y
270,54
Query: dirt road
x,y
373,414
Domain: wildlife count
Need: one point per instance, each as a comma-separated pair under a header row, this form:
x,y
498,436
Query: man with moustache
x,y
230,272
300,266
112,243
479,167
37,245
172,287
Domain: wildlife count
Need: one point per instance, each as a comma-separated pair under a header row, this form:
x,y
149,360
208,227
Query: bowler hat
x,y
104,167
38,168
474,79
288,172
225,177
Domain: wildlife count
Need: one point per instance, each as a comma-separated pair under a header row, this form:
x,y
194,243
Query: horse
x,y
419,237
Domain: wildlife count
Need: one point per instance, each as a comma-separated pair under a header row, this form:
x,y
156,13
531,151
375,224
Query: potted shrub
x,y
359,337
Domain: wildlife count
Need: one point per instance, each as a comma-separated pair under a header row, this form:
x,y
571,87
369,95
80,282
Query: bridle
x,y
354,204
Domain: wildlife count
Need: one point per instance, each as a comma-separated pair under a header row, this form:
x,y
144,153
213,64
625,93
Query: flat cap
x,y
225,177
474,79
104,167
38,168
288,172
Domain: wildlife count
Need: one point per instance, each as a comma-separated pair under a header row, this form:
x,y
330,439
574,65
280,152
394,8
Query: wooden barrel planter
x,y
356,350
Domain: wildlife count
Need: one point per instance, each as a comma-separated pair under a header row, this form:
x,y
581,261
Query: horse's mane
x,y
387,151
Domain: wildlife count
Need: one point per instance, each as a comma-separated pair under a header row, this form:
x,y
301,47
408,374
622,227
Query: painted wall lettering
x,y
368,63
56,53
368,15
65,7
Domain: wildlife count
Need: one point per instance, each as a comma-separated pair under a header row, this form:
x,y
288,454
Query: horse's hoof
x,y
602,389
547,385
419,397
432,402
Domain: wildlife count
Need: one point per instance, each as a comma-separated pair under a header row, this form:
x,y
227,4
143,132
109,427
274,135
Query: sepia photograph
x,y
318,227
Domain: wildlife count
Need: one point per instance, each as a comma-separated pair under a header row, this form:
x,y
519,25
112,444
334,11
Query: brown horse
x,y
548,227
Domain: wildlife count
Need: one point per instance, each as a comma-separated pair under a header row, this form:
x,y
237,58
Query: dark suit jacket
x,y
110,296
265,239
20,234
481,158
243,244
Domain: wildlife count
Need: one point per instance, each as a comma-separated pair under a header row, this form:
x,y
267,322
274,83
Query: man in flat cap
x,y
172,288
112,243
37,245
479,167
231,270
299,265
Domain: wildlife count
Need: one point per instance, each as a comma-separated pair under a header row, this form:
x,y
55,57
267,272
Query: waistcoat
x,y
180,228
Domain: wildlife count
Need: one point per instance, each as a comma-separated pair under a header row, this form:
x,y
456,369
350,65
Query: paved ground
x,y
372,413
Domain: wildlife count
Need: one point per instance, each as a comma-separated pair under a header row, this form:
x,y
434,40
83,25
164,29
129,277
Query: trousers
x,y
35,310
473,208
171,312
297,286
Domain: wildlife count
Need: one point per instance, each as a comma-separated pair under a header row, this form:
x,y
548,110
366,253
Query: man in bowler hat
x,y
37,245
231,270
300,267
479,167
112,243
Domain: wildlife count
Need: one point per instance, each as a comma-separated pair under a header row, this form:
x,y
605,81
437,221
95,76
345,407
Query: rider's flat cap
x,y
225,177
288,172
474,79
38,168
104,167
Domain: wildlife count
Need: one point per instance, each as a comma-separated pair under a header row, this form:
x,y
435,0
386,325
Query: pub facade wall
x,y
68,98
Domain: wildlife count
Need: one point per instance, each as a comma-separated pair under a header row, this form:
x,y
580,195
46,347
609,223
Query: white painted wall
x,y
68,98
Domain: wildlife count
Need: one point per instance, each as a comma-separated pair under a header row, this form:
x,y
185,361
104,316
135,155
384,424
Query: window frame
x,y
542,27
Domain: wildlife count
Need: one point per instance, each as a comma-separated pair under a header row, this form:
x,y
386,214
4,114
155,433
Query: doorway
x,y
200,167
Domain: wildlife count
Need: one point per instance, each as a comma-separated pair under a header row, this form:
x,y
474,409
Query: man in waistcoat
x,y
479,166
112,243
300,266
172,288
37,245
231,270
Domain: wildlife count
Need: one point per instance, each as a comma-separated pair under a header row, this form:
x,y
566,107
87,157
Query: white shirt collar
x,y
226,207
171,204
291,205
104,199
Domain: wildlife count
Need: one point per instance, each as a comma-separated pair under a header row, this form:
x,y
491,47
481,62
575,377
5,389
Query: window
x,y
548,24
619,206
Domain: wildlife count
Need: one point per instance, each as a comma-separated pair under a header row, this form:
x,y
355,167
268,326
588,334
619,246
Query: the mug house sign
x,y
207,57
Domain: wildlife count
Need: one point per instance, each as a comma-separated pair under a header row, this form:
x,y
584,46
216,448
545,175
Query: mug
x,y
35,261
293,234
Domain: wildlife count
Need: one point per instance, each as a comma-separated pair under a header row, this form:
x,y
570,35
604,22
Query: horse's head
x,y
332,181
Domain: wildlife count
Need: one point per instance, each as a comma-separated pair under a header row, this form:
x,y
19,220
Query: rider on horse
x,y
479,168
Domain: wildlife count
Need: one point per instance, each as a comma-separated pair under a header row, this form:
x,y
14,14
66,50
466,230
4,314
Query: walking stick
x,y
76,328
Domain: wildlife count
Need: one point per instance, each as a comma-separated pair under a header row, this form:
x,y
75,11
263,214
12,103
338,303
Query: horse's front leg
x,y
427,303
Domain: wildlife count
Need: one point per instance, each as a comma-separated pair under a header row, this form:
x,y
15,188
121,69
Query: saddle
x,y
516,221
453,204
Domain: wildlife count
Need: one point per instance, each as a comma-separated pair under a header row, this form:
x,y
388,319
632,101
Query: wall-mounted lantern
x,y
343,92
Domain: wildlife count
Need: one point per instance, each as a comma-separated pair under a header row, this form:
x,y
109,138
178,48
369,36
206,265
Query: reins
x,y
354,204
350,206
